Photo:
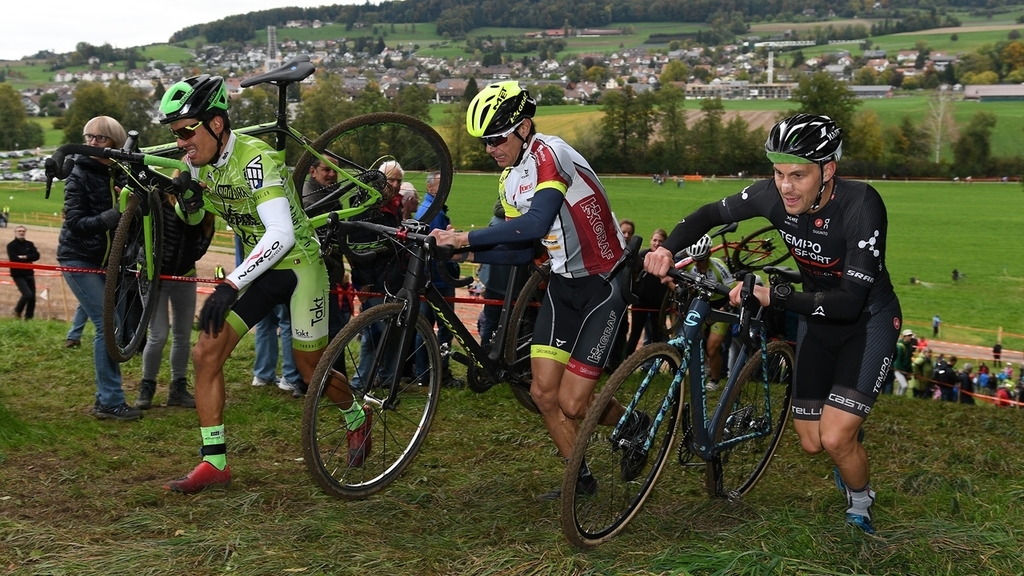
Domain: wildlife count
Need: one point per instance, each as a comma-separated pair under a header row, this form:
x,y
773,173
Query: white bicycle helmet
x,y
701,249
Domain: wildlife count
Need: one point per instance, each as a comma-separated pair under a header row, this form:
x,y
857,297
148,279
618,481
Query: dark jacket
x,y
184,244
88,192
22,248
385,272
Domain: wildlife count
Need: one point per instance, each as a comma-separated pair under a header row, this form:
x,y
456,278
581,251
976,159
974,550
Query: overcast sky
x,y
30,25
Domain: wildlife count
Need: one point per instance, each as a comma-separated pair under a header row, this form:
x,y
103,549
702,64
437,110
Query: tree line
x,y
455,18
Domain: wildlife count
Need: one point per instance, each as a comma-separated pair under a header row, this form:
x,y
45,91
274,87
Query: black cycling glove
x,y
211,319
191,200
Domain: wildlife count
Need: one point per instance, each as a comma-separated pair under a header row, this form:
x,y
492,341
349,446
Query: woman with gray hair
x,y
90,216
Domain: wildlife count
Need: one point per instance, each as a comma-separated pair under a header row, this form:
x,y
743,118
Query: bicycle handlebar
x,y
408,232
698,281
61,163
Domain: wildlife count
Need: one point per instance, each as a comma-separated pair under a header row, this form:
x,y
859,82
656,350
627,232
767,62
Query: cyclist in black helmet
x,y
850,317
245,182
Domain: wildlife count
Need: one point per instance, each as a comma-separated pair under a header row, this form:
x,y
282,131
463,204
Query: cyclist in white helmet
x,y
716,270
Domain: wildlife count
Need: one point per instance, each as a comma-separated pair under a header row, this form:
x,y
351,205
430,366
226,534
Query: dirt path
x,y
61,303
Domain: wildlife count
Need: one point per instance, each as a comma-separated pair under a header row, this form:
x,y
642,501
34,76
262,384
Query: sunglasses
x,y
186,132
494,141
95,137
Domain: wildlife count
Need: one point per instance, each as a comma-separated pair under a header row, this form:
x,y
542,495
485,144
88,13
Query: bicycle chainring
x,y
479,380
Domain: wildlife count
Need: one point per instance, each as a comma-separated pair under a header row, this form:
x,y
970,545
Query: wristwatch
x,y
780,292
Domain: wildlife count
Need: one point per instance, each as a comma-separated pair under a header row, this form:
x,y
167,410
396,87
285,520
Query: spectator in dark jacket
x,y
24,251
650,293
183,246
966,385
90,216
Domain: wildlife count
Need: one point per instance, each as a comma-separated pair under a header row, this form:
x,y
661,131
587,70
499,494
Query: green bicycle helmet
x,y
196,97
498,108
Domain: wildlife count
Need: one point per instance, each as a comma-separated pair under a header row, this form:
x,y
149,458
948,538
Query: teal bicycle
x,y
728,435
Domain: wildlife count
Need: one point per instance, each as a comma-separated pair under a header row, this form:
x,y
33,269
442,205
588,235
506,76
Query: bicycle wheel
x,y
133,281
643,383
517,349
361,144
670,314
397,429
762,248
756,413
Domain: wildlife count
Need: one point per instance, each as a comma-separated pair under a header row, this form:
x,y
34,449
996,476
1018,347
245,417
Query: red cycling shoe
x,y
203,476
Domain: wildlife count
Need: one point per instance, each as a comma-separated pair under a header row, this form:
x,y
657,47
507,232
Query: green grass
x,y
84,497
933,228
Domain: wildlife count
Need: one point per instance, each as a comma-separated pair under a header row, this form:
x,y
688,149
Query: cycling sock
x,y
860,501
214,450
354,416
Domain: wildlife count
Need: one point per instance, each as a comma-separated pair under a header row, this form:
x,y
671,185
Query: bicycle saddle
x,y
294,70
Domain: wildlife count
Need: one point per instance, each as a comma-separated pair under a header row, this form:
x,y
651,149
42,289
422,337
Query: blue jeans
x,y
78,324
265,366
444,335
369,343
88,288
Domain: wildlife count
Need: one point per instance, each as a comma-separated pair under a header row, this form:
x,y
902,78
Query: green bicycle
x,y
354,148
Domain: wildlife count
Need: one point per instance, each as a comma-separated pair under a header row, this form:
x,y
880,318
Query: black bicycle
x,y
724,452
402,404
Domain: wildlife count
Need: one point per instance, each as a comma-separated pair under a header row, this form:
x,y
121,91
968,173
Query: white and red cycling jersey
x,y
584,238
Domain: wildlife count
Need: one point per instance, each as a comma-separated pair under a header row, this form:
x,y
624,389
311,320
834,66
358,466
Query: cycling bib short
x,y
577,323
304,289
843,365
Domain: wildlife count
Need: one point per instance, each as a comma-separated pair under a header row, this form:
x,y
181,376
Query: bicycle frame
x,y
691,343
417,283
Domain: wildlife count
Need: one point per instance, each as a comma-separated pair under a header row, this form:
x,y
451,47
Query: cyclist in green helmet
x,y
244,181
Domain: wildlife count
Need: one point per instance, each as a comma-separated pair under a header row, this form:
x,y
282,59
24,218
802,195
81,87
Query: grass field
x,y
933,228
83,497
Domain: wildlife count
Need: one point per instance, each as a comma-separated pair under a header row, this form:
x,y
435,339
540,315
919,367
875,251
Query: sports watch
x,y
780,292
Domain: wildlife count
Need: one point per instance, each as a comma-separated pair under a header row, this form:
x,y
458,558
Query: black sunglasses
x,y
500,139
186,132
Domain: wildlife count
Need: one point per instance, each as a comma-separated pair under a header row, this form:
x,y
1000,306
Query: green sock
x,y
213,436
354,416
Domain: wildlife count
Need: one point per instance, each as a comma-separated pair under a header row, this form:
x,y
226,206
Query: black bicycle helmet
x,y
498,108
197,97
804,139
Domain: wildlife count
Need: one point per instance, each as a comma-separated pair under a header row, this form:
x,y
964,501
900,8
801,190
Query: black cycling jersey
x,y
840,250
849,314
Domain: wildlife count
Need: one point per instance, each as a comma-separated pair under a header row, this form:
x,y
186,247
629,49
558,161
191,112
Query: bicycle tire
x,y
517,347
670,314
734,471
365,141
589,520
130,289
764,247
397,431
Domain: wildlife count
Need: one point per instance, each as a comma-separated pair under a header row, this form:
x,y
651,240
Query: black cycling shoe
x,y
586,485
634,457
